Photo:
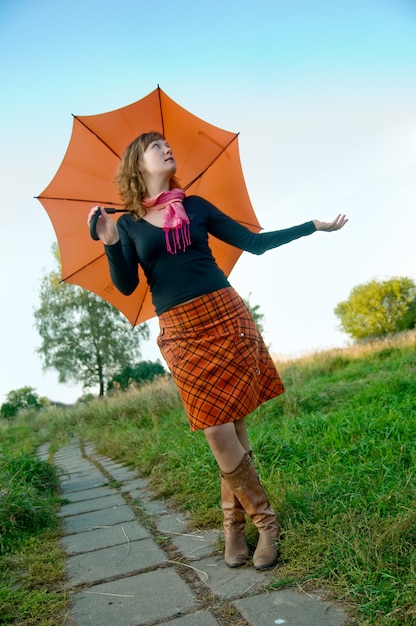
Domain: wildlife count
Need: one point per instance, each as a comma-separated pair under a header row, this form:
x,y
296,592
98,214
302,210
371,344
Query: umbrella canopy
x,y
208,164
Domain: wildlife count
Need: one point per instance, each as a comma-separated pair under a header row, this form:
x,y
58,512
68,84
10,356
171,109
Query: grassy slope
x,y
336,454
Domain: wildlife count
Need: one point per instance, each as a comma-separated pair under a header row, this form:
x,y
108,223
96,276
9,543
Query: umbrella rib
x,y
100,202
95,134
242,222
141,306
100,256
212,163
161,112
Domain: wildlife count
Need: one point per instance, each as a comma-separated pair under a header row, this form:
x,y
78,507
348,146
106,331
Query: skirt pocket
x,y
247,344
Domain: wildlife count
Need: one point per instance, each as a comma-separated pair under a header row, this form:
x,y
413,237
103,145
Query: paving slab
x,y
154,507
43,451
141,484
122,559
227,583
111,464
104,537
108,501
69,474
70,460
289,607
122,474
89,494
75,464
81,483
95,519
68,453
147,500
137,488
149,598
172,523
196,544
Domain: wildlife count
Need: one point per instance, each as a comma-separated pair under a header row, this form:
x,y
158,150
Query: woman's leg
x,y
236,550
225,445
239,473
241,430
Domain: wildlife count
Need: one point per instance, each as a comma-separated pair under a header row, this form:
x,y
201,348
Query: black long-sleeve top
x,y
176,278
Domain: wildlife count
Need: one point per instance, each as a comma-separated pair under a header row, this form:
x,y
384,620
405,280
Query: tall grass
x,y
27,494
31,564
336,454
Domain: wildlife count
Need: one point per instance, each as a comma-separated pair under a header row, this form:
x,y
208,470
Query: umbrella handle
x,y
93,223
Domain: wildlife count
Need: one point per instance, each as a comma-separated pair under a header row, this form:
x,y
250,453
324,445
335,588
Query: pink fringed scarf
x,y
175,219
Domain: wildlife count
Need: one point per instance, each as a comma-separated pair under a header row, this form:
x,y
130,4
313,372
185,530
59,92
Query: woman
x,y
207,335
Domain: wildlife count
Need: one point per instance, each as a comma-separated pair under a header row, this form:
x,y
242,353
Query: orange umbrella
x,y
208,164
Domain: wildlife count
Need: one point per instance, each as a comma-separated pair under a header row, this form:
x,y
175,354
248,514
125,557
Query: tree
x,y
142,372
378,308
255,312
83,337
22,399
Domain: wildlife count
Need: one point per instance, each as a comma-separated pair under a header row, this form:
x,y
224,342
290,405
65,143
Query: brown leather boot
x,y
246,487
236,548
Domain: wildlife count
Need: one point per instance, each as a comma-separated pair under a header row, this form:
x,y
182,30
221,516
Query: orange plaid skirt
x,y
217,358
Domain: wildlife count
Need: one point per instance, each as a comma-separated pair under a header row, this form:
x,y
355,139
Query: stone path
x,y
133,561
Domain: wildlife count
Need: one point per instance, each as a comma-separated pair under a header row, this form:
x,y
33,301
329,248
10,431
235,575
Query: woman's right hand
x,y
106,227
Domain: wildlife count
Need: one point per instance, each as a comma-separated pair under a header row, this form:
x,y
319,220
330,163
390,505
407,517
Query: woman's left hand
x,y
338,223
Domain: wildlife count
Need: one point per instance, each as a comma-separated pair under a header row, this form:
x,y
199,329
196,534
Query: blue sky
x,y
323,94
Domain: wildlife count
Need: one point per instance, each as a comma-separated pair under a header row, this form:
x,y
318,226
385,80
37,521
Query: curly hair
x,y
131,184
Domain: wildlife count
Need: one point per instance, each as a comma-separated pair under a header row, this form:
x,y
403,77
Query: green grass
x,y
336,454
28,489
31,564
31,583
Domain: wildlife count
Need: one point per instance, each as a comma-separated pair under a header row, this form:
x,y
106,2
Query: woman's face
x,y
157,160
